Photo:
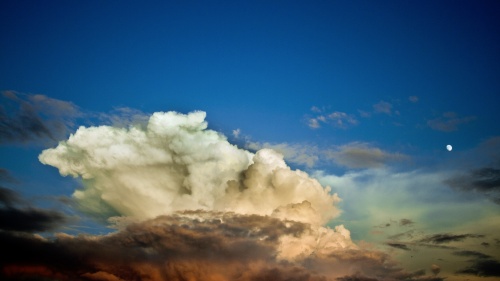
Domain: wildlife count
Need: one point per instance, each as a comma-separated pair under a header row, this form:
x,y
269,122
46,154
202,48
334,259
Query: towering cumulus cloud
x,y
175,163
198,204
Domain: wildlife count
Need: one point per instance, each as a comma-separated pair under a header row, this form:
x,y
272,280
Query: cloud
x,y
25,118
236,133
191,206
435,240
413,99
313,123
364,114
362,155
485,180
483,268
123,117
336,119
383,107
449,122
341,119
16,217
351,155
435,269
406,222
5,176
443,238
8,197
474,254
306,155
482,264
398,246
195,245
175,163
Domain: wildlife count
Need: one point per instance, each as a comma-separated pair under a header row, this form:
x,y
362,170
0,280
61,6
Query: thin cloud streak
x,y
449,122
362,155
26,118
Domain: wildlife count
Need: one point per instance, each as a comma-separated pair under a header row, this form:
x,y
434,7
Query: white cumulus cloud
x,y
175,163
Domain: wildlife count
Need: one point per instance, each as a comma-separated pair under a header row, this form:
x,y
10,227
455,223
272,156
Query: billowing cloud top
x,y
175,163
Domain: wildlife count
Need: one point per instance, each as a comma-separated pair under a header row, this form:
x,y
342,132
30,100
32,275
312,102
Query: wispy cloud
x,y
481,264
474,254
413,99
357,155
363,155
443,238
449,122
485,181
236,133
25,118
406,222
5,176
398,246
383,107
336,119
17,215
123,117
307,155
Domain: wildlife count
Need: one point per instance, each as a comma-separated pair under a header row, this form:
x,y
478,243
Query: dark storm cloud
x,y
484,180
25,118
398,246
190,245
447,238
16,217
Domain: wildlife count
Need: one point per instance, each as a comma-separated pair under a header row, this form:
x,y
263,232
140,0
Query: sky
x,y
250,140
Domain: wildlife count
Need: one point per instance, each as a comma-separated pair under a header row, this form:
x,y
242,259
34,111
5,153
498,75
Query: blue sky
x,y
362,95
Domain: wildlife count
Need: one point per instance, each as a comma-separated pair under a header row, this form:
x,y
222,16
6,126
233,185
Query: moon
x,y
449,147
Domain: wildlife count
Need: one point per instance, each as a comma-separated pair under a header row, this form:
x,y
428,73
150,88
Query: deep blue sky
x,y
405,77
260,66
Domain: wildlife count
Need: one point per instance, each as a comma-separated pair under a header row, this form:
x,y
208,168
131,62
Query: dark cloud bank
x,y
17,215
190,245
